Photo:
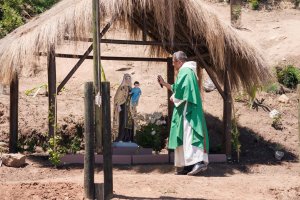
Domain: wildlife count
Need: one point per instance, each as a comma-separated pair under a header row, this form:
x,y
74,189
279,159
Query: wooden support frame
x,y
114,58
52,116
107,147
227,112
170,80
298,94
97,73
89,140
82,58
13,113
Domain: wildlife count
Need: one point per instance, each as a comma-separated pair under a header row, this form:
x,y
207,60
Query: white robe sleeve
x,y
177,102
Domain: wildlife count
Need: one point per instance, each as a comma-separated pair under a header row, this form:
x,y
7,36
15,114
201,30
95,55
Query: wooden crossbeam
x,y
85,55
114,58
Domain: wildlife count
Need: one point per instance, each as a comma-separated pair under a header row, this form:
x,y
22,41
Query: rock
x,y
39,149
283,99
158,123
209,85
274,114
3,144
279,155
13,160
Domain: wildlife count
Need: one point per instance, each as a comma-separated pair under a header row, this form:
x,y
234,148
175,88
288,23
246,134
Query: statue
x,y
123,116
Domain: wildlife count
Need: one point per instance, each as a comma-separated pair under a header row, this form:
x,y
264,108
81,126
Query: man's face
x,y
136,85
177,64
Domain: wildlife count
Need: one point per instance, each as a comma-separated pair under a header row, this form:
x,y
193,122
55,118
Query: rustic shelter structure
x,y
164,25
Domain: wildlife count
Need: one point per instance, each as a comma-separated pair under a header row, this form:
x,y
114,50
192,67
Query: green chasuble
x,y
186,88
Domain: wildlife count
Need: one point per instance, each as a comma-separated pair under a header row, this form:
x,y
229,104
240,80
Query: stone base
x,y
136,159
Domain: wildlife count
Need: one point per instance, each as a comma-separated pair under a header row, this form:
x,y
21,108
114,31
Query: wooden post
x,y
298,92
52,117
227,115
107,148
97,71
13,120
89,158
170,80
236,12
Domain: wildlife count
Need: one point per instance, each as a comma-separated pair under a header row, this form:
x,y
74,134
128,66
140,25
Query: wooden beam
x,y
209,72
82,59
298,92
52,118
89,138
227,112
115,58
170,80
135,42
97,73
107,148
13,115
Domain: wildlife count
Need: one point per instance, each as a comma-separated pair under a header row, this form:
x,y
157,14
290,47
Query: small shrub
x,y
254,4
56,150
151,136
289,76
271,88
277,123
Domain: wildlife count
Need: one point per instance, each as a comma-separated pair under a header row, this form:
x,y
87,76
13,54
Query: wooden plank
x,y
136,42
227,112
99,191
13,113
141,59
89,158
298,92
52,117
97,73
107,147
170,80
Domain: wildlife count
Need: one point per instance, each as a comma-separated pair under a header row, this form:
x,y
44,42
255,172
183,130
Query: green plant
x,y
56,150
236,12
271,88
254,4
252,94
35,90
151,136
277,123
14,13
235,135
289,76
75,144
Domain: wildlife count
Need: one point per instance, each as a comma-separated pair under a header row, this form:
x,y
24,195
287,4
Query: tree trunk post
x,y
13,112
89,158
52,116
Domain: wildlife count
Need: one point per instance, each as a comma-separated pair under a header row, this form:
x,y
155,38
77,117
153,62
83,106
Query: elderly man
x,y
188,134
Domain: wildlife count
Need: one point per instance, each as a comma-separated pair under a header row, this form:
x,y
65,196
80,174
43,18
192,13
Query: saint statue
x,y
123,116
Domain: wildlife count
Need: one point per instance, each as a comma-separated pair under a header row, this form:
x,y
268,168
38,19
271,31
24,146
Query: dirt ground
x,y
257,176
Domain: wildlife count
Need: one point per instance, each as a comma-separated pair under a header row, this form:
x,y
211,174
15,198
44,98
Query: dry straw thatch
x,y
185,21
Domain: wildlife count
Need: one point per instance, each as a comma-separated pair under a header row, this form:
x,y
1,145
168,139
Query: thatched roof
x,y
185,21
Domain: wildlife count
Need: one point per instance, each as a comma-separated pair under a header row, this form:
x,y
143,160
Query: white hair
x,y
180,55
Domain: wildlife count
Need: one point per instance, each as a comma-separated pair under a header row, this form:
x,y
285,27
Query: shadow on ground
x,y
161,197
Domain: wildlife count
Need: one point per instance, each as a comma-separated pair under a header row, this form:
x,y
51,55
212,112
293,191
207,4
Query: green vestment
x,y
186,88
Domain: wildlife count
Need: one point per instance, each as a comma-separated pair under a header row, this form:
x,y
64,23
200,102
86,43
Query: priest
x,y
188,133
